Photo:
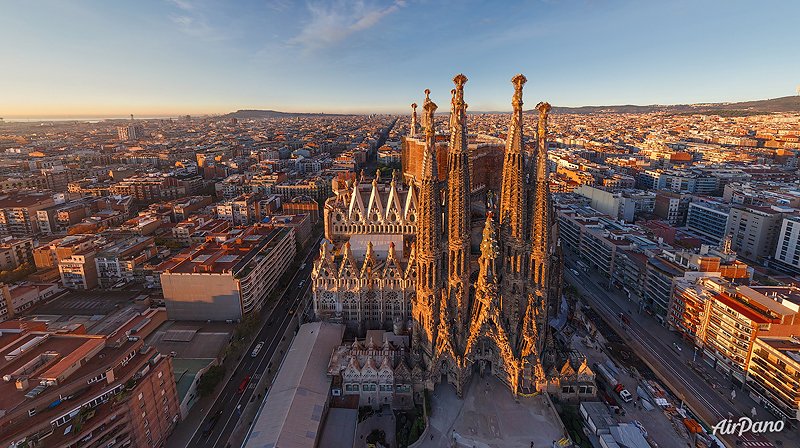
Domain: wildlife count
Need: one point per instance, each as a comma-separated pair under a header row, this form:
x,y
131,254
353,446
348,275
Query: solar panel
x,y
179,335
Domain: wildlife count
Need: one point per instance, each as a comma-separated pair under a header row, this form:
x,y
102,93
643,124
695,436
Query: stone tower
x,y
428,253
540,221
512,216
458,215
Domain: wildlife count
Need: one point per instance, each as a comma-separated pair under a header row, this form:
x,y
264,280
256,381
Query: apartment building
x,y
708,219
18,212
72,389
130,132
15,252
15,299
682,181
78,271
48,255
240,211
301,224
13,183
672,207
657,290
302,204
184,208
597,238
754,230
318,188
622,205
150,189
724,319
773,375
122,262
227,279
787,252
231,187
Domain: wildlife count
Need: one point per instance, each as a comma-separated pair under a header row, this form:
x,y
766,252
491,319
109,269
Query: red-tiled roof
x,y
744,310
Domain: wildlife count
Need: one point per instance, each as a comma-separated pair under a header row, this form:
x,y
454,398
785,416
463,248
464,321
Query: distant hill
x,y
783,104
252,114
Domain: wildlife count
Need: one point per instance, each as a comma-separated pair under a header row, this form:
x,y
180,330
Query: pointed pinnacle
x,y
543,107
519,80
459,80
430,108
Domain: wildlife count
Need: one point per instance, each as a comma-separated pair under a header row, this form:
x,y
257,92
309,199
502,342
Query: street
x,y
654,344
230,400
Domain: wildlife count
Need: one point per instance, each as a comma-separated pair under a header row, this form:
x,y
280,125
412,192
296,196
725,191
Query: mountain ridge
x,y
772,105
755,107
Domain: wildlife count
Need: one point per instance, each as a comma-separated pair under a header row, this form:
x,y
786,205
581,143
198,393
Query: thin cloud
x,y
191,20
182,4
279,5
332,22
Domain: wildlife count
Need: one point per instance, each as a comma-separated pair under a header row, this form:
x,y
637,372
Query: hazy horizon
x,y
155,116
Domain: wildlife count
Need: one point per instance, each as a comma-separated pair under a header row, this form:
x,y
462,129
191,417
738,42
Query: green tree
x,y
209,380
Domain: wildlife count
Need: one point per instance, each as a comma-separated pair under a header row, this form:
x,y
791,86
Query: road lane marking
x,y
605,305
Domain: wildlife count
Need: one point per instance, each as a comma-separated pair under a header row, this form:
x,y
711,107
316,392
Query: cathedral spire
x,y
428,245
458,209
540,223
511,203
425,102
512,215
414,124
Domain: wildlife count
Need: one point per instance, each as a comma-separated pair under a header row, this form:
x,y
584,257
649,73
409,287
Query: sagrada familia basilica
x,y
404,257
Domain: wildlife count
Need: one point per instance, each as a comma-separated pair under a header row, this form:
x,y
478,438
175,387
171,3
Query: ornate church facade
x,y
402,258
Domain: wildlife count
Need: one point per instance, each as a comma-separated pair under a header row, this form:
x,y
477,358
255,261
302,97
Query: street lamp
x,y
695,354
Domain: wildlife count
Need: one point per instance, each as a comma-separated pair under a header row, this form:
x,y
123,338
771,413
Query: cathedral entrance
x,y
447,374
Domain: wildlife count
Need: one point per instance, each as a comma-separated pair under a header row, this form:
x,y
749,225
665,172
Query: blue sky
x,y
152,57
